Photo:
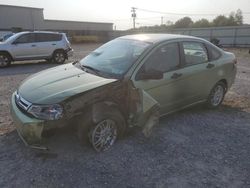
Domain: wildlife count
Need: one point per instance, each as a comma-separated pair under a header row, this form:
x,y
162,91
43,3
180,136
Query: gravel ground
x,y
193,148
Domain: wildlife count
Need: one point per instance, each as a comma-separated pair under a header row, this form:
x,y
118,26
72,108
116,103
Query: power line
x,y
182,14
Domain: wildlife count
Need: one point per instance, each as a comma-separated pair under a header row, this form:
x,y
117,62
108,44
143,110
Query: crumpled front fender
x,y
144,110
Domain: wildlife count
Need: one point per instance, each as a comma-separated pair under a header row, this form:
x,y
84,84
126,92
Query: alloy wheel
x,y
104,135
3,61
217,95
59,57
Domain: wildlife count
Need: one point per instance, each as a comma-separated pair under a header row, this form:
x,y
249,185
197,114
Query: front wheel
x,y
216,95
4,60
104,134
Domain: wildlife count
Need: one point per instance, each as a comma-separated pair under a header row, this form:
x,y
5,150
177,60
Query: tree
x,y
169,22
238,17
220,21
201,23
231,19
183,22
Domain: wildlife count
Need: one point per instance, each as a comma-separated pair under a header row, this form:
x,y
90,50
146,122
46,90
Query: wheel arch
x,y
224,81
93,114
104,106
8,53
96,108
60,49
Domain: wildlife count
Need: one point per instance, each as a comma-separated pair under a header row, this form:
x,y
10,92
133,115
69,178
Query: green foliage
x,y
201,23
184,23
238,17
221,21
234,19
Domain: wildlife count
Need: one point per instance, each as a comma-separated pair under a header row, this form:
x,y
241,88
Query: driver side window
x,y
165,58
26,38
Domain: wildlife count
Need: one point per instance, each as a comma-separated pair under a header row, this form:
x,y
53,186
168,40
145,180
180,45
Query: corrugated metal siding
x,y
26,18
71,25
33,19
238,36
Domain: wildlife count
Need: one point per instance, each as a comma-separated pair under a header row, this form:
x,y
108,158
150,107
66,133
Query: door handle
x,y
176,75
33,45
209,65
53,44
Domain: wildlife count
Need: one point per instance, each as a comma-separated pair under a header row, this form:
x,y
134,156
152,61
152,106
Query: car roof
x,y
155,38
50,32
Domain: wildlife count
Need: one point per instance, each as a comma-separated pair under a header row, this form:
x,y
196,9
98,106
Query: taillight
x,y
235,61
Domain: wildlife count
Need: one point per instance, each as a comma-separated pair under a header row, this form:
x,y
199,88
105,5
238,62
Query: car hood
x,y
2,44
56,84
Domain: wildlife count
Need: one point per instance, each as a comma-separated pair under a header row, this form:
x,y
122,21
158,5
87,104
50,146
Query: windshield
x,y
5,37
12,37
115,57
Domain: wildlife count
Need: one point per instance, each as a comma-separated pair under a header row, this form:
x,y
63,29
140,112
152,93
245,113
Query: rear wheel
x,y
59,57
216,95
5,60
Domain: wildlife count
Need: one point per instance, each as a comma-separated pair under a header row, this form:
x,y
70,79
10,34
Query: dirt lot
x,y
193,148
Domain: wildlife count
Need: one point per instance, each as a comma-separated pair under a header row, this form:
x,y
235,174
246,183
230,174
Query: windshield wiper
x,y
90,68
85,67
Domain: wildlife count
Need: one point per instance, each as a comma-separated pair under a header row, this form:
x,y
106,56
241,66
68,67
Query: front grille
x,y
22,103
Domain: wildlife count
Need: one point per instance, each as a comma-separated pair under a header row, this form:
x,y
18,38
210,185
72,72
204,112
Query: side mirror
x,y
149,75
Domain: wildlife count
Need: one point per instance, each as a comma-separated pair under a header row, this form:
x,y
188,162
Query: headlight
x,y
47,112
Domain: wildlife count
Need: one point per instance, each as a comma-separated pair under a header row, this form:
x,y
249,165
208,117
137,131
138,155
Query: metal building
x,y
15,18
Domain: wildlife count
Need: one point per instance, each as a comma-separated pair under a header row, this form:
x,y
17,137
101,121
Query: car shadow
x,y
26,68
186,120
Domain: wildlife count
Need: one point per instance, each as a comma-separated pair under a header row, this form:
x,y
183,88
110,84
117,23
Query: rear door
x,y
198,77
47,43
24,47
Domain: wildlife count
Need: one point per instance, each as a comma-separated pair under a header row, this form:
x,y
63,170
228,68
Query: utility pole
x,y
133,9
162,20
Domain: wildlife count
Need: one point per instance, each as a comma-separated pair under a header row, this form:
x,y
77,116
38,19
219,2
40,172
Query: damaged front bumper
x,y
29,129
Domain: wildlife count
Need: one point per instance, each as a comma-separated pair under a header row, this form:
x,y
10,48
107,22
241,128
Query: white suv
x,y
51,46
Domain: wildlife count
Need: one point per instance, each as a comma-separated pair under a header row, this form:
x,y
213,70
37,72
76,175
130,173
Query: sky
x,y
119,12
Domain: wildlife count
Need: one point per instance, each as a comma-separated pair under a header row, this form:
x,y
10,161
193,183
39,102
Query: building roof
x,y
154,38
76,21
14,6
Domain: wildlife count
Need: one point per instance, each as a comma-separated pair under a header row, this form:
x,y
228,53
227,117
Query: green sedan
x,y
127,82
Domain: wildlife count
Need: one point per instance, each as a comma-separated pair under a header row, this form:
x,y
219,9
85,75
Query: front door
x,y
168,90
24,47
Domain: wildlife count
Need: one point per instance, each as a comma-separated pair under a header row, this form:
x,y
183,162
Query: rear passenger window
x,y
48,37
163,59
195,53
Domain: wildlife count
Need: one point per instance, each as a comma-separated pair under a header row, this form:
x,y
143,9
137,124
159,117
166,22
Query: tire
x,y
5,60
216,95
84,124
59,56
103,134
